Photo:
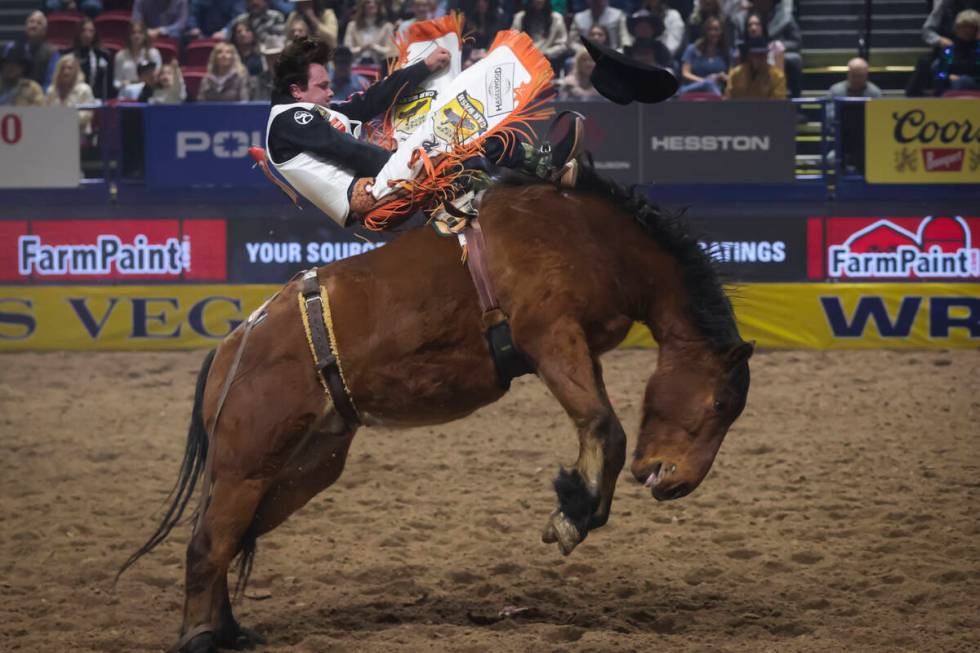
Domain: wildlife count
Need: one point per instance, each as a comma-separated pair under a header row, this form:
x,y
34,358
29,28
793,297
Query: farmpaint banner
x,y
922,141
778,315
853,316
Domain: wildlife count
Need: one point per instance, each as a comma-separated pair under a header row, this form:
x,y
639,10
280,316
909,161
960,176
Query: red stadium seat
x,y
197,52
168,47
192,80
371,72
113,45
700,97
966,94
113,25
62,26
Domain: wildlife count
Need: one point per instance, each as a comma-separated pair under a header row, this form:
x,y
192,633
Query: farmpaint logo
x,y
939,248
108,254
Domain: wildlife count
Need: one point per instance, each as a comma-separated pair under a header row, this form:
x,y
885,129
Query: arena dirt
x,y
842,514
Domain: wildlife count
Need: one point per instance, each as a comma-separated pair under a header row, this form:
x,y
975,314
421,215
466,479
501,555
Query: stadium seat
x,y
113,25
192,81
113,45
962,94
168,47
197,52
62,26
371,72
700,97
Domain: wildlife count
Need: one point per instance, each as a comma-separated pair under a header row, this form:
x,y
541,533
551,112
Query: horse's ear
x,y
741,353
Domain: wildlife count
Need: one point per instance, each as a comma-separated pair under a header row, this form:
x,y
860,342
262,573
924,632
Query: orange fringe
x,y
427,30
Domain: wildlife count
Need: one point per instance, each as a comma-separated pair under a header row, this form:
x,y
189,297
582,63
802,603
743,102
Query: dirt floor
x,y
842,514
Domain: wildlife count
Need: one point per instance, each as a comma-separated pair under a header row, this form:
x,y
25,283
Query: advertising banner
x,y
853,316
718,142
778,315
922,141
610,135
260,251
203,144
39,147
930,248
754,249
47,251
123,317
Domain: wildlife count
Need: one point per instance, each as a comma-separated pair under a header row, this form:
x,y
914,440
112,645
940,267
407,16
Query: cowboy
x,y
312,142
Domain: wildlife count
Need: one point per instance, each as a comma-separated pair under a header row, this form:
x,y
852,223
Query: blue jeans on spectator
x,y
90,8
704,86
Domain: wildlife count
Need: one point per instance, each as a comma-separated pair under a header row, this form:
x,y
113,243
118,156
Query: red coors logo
x,y
942,159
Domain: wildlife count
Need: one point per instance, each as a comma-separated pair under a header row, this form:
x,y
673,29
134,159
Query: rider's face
x,y
317,89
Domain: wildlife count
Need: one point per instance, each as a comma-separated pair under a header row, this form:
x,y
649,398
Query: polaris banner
x,y
203,144
718,143
264,251
754,249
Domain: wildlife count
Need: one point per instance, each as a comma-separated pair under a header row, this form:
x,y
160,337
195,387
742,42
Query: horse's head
x,y
689,404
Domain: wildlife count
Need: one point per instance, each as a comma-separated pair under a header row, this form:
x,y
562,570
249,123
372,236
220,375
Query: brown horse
x,y
572,269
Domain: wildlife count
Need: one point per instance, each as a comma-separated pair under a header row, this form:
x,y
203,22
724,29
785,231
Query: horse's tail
x,y
195,455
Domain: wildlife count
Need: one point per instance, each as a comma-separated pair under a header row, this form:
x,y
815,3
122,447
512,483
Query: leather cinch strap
x,y
476,263
325,358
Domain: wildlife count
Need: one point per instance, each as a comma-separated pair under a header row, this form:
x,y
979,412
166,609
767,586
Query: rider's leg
x,y
553,161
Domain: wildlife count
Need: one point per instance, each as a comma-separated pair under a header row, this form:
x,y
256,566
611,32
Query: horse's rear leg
x,y
574,377
216,541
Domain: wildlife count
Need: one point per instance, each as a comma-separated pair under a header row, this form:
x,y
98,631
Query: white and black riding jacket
x,y
317,149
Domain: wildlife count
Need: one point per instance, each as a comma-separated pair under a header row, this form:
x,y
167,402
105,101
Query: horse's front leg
x,y
585,491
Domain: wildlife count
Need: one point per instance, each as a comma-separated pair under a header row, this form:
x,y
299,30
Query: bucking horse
x,y
572,270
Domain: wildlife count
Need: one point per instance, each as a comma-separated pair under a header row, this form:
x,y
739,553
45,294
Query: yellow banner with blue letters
x,y
777,315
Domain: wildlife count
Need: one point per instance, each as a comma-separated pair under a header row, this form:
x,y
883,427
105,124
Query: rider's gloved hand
x,y
438,60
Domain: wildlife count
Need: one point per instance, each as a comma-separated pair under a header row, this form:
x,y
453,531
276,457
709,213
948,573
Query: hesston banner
x,y
923,141
112,250
784,315
930,248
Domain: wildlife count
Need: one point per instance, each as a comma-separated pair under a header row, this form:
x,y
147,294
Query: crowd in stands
x,y
169,51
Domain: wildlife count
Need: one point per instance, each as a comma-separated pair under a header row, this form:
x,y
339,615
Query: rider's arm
x,y
379,97
297,130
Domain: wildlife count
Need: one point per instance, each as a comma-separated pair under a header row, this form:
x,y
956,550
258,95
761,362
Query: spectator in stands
x,y
163,86
577,85
958,67
422,10
90,8
546,28
704,66
650,50
702,11
296,30
600,13
484,18
68,89
227,79
137,49
343,80
755,78
207,18
161,17
321,19
599,34
268,25
260,86
368,35
16,88
672,34
779,27
41,56
937,31
243,38
856,84
95,63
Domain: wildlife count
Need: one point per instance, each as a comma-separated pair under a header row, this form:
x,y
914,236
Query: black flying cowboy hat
x,y
623,80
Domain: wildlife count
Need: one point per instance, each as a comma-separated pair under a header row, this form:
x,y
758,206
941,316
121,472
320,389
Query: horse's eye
x,y
719,406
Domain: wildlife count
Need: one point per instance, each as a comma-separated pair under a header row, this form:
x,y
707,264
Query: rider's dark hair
x,y
293,65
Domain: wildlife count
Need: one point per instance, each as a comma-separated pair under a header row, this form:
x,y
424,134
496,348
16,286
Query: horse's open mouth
x,y
657,474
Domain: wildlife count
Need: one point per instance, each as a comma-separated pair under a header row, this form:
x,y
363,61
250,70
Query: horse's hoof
x,y
203,643
247,639
561,530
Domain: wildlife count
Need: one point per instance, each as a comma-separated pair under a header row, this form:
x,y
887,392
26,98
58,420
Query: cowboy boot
x,y
556,162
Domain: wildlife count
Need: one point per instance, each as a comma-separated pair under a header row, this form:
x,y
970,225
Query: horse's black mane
x,y
709,306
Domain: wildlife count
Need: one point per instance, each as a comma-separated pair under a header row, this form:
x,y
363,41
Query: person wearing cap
x,y
343,80
16,89
648,46
142,88
672,31
313,142
755,78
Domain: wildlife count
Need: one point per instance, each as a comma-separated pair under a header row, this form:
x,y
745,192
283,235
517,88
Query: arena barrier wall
x,y
778,315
